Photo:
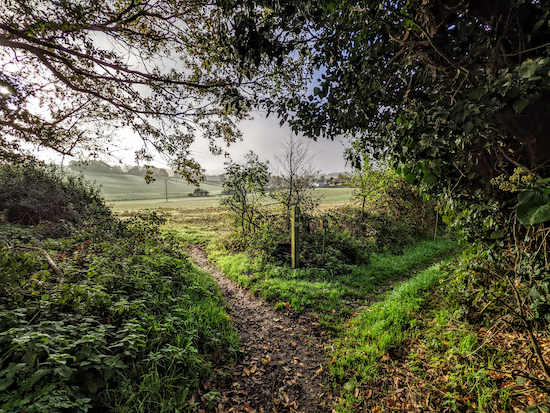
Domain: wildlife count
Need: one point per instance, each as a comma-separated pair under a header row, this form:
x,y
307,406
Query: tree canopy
x,y
456,93
74,72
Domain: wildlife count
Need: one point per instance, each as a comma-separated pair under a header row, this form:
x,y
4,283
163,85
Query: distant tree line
x,y
95,166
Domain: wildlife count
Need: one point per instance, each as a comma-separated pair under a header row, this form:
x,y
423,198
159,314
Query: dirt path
x,y
284,362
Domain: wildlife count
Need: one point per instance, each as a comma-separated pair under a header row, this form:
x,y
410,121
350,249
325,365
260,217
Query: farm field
x,y
125,192
117,187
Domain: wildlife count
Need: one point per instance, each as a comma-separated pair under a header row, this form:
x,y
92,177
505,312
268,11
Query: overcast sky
x,y
261,135
264,136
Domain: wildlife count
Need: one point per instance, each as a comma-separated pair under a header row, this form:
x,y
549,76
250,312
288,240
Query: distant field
x,y
120,187
329,196
127,193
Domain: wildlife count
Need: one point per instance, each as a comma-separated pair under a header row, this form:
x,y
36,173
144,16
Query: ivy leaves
x,y
533,204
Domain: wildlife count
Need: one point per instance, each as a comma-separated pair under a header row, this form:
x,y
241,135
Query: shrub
x,y
33,194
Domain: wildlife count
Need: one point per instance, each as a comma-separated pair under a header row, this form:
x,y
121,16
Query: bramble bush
x,y
119,320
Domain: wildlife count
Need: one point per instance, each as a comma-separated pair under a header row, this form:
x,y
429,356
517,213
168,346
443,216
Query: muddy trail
x,y
283,368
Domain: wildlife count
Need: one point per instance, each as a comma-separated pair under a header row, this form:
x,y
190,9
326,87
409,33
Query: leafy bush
x,y
35,194
113,317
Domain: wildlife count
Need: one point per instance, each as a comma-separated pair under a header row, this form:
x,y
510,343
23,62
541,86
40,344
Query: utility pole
x,y
166,188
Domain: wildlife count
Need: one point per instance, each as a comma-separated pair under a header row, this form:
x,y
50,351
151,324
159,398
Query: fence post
x,y
295,236
325,226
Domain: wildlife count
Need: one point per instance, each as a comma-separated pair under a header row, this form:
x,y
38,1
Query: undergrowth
x,y
112,317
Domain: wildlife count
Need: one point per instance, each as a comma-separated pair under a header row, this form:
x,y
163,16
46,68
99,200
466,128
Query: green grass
x,y
449,363
449,347
376,330
330,295
161,205
380,327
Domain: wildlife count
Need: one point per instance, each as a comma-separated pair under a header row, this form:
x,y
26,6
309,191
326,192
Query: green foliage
x,y
198,192
441,349
63,98
379,328
446,92
456,95
36,194
245,185
332,291
125,323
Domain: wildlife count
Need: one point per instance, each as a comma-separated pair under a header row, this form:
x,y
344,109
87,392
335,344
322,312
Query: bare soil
x,y
283,368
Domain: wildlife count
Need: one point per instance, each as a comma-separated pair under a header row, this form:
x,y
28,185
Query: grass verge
x,y
331,295
368,337
416,350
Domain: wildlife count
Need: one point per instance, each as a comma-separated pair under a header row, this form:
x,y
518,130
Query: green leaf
x,y
532,409
512,92
527,69
530,213
532,196
349,386
520,104
429,179
468,127
5,383
497,234
37,375
478,92
410,177
538,24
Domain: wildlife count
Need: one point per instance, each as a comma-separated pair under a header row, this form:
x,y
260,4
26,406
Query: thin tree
x,y
295,173
244,187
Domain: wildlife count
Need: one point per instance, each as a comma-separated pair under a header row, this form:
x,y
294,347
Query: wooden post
x,y
294,236
325,226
